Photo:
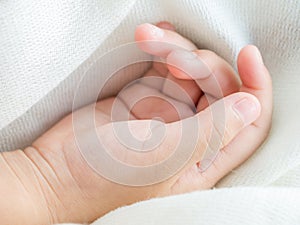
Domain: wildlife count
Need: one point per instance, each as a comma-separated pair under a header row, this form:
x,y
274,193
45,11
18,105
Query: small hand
x,y
206,78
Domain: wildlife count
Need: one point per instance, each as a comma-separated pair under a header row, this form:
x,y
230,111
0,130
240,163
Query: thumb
x,y
213,128
144,152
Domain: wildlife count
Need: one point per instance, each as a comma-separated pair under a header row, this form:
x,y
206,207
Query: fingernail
x,y
247,110
155,31
190,62
258,56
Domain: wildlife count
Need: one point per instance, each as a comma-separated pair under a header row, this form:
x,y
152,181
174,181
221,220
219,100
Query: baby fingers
x,y
212,74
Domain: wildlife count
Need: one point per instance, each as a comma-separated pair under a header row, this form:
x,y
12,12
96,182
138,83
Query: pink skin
x,y
255,80
56,184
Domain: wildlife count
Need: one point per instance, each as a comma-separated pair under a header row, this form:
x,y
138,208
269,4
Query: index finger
x,y
160,42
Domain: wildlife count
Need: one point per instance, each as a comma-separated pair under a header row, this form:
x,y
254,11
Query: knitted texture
x,y
47,46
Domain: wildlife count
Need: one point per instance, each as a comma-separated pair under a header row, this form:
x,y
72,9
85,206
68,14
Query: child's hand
x,y
74,192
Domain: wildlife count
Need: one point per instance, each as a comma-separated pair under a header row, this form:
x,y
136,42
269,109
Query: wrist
x,y
24,200
68,181
59,187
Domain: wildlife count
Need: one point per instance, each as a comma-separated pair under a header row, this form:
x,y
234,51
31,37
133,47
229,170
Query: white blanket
x,y
46,46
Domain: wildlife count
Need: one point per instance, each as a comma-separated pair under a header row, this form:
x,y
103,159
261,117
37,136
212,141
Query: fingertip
x,y
248,109
252,52
148,31
251,68
159,41
165,25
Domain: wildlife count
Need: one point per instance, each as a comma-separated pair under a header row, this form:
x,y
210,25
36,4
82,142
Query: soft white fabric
x,y
46,47
259,206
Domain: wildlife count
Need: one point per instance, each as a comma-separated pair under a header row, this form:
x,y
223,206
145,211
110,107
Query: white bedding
x,y
46,46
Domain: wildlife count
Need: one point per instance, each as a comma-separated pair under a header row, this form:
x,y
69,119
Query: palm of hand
x,y
157,95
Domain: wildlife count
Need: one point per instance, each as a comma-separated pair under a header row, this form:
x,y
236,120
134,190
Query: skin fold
x,y
51,182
